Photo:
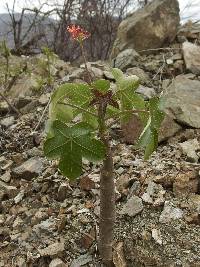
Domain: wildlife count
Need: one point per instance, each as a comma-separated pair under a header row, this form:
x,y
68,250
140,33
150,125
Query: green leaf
x,y
157,115
91,120
117,73
76,94
149,137
101,85
70,145
125,82
129,100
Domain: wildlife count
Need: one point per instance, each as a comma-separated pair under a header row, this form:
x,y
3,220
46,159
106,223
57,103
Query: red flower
x,y
77,33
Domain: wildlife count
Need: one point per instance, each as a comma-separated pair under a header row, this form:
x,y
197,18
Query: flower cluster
x,y
77,33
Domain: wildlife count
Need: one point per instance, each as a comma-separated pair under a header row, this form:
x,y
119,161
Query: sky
x,y
189,9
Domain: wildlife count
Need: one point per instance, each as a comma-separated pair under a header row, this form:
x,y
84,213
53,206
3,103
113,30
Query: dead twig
x,y
9,104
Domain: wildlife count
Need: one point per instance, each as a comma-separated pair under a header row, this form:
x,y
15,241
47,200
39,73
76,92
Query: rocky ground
x,y
47,220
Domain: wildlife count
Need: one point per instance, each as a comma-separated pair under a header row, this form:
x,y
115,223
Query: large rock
x,y
153,26
191,53
182,101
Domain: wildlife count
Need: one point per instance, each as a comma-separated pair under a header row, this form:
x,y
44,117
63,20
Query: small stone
x,y
120,170
44,99
108,75
147,199
21,102
81,260
54,249
191,53
146,92
134,190
133,206
4,107
86,183
17,223
7,165
57,263
19,197
186,183
62,191
189,148
29,169
2,219
169,61
122,183
40,215
6,177
143,76
157,236
61,223
170,213
7,122
9,190
126,59
86,240
46,226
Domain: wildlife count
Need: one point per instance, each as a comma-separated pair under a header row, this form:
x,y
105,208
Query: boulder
x,y
182,101
153,26
191,53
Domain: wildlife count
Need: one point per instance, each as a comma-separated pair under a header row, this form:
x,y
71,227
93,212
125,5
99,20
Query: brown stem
x,y
10,105
85,62
107,209
107,195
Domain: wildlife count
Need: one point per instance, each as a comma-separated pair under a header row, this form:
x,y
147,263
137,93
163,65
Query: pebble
x,y
29,169
54,249
133,206
9,190
6,177
62,191
7,122
170,213
82,260
57,263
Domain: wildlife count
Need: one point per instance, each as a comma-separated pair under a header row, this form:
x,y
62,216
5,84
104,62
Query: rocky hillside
x,y
46,220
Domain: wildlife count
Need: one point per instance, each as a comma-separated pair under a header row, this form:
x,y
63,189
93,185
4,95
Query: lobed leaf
x,y
70,145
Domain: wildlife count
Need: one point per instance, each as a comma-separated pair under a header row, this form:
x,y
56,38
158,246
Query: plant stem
x,y
85,62
41,118
10,105
107,195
